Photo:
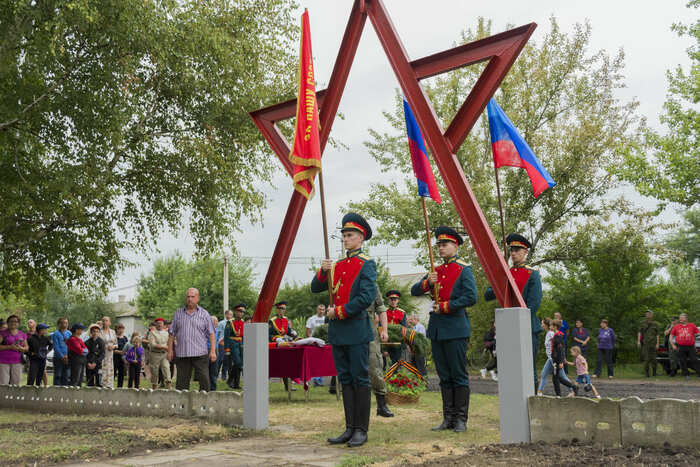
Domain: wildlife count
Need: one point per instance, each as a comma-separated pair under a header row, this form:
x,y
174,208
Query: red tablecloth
x,y
303,362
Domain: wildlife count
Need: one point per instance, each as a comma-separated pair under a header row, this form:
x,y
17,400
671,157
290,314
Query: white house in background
x,y
128,315
424,303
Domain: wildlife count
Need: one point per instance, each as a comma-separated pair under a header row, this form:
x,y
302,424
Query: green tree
x,y
687,240
561,97
162,292
614,280
671,172
120,119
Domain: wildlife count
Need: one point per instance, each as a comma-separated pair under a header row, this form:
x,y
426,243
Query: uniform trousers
x,y
649,357
352,364
376,372
235,357
450,358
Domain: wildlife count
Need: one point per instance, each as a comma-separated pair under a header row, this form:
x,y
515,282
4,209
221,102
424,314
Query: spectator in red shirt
x,y
77,355
685,333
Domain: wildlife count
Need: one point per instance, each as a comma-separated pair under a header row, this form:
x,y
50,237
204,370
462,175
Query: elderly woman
x,y
13,343
109,337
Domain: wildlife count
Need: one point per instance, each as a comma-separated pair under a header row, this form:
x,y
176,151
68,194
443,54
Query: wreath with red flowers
x,y
405,383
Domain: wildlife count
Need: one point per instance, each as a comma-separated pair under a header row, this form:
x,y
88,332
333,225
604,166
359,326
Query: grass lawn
x,y
406,436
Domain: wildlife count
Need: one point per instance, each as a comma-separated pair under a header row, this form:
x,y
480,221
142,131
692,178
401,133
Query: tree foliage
x,y
561,96
123,118
614,280
671,172
162,292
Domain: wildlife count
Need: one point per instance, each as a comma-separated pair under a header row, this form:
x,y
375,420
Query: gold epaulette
x,y
462,262
532,268
364,256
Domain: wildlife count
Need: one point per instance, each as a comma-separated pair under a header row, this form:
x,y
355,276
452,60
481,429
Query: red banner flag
x,y
306,150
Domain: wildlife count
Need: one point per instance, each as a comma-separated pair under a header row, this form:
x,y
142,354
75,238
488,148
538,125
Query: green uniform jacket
x,y
356,328
455,324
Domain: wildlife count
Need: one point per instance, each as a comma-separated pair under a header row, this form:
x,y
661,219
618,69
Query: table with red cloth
x,y
303,362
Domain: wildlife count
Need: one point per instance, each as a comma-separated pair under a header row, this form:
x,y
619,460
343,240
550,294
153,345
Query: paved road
x,y
644,389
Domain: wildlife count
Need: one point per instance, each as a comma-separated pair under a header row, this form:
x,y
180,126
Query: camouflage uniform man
x,y
377,315
648,341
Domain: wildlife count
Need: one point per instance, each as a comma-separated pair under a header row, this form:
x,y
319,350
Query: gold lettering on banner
x,y
309,103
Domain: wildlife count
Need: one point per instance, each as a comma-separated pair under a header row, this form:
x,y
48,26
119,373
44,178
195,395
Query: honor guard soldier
x,y
648,341
449,328
353,285
281,331
233,345
395,315
377,316
529,283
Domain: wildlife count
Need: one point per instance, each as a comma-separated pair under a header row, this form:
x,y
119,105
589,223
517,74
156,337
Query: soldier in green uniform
x,y
448,328
353,283
377,315
648,341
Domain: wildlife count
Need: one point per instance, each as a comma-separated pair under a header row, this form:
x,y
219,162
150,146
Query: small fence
x,y
219,407
610,422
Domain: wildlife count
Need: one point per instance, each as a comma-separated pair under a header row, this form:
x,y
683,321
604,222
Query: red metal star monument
x,y
500,51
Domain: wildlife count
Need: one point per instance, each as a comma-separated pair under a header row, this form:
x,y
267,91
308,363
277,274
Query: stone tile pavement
x,y
243,452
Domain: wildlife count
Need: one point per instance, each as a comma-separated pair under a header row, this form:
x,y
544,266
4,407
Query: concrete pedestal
x,y
515,380
256,387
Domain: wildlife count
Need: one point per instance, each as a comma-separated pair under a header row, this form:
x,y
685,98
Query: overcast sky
x,y
641,28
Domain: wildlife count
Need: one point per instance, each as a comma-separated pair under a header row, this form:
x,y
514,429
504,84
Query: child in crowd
x,y
96,354
39,346
134,360
559,360
582,376
77,355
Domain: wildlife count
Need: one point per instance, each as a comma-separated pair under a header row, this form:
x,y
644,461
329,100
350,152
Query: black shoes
x,y
382,409
363,398
461,408
349,408
447,403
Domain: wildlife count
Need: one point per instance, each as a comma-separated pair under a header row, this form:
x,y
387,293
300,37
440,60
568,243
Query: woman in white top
x,y
548,368
110,337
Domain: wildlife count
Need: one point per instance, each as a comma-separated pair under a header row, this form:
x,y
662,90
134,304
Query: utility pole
x,y
225,283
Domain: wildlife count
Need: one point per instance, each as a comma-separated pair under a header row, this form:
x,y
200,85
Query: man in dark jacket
x,y
559,360
95,355
39,346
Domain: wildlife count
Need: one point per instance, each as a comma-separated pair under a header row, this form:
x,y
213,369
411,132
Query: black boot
x,y
349,408
237,378
382,409
363,398
461,408
331,387
286,385
447,404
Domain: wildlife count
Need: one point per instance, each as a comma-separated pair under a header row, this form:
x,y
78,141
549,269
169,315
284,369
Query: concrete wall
x,y
219,407
628,421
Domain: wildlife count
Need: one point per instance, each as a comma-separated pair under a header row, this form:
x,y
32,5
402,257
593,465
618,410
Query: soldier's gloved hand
x,y
326,265
384,336
432,278
436,307
294,333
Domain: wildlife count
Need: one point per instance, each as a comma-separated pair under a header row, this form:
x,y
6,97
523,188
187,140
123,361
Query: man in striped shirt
x,y
192,343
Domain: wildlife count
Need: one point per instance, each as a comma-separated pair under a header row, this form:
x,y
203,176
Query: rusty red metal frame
x,y
500,50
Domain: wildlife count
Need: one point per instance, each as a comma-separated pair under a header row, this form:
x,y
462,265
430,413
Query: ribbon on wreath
x,y
402,363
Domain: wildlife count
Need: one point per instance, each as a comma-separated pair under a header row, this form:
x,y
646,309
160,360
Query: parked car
x,y
49,361
663,358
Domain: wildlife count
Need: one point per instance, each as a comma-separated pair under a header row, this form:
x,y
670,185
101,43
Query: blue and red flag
x,y
510,149
419,157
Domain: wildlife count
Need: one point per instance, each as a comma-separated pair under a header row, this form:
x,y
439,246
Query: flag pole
x,y
322,195
430,245
500,210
